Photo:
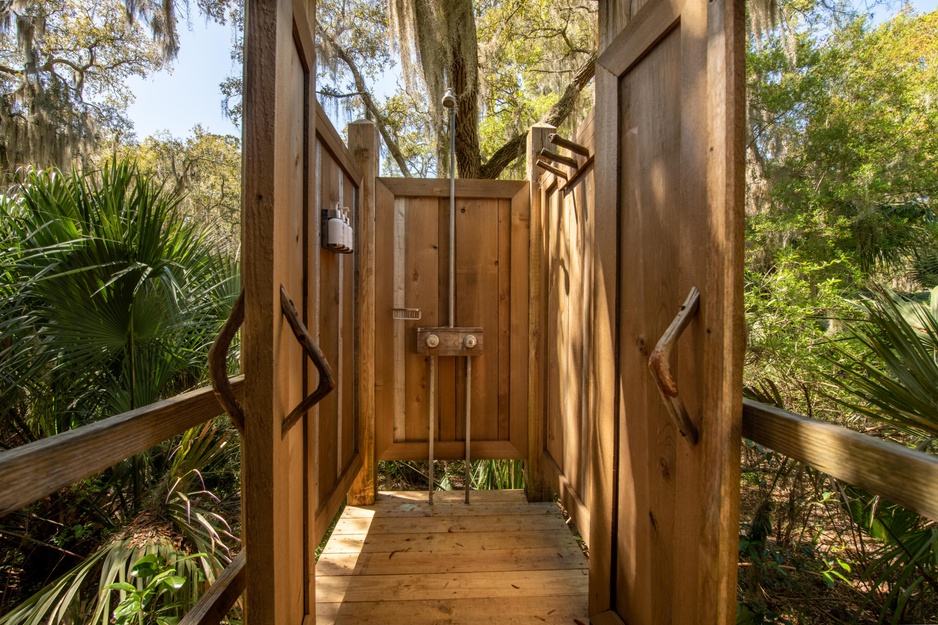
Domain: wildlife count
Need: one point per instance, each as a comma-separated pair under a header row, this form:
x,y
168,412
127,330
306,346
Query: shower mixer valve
x,y
446,341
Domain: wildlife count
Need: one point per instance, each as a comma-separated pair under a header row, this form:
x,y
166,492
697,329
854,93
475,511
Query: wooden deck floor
x,y
498,560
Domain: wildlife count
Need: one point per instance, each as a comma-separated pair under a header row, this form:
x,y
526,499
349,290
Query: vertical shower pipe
x,y
449,101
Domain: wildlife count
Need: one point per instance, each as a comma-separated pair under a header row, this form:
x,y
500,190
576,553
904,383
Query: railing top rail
x,y
896,473
33,471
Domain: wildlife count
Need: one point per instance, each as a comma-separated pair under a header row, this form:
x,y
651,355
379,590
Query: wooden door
x,y
279,130
669,171
491,292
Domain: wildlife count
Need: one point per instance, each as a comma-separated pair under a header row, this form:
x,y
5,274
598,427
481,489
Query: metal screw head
x,y
433,340
470,341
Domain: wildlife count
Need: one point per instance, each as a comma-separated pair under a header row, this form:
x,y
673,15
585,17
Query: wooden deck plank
x,y
497,560
351,543
485,585
425,562
452,496
504,611
449,524
452,511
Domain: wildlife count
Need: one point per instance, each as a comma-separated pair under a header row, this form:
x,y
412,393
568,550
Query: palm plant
x,y
896,382
110,300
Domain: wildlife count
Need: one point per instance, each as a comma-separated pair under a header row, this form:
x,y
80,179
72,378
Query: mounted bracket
x,y
446,341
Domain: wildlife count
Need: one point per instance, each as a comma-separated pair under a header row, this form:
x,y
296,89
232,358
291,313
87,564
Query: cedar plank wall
x,y
567,232
334,429
411,271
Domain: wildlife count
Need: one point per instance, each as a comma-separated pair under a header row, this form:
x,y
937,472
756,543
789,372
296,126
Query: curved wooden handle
x,y
660,365
312,351
218,364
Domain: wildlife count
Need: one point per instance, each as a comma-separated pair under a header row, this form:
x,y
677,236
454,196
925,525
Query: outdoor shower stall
x,y
599,302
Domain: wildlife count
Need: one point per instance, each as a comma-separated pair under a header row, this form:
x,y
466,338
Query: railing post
x,y
364,146
535,486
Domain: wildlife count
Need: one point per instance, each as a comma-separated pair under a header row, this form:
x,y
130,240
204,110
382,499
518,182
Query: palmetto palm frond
x,y
896,380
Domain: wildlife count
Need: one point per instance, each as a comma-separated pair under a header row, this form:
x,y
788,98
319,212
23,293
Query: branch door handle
x,y
312,351
660,365
218,364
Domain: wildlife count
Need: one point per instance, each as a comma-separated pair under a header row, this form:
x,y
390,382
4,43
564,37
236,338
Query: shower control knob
x,y
470,341
433,340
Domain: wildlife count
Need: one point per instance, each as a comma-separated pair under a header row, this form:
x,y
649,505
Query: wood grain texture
x,y
412,272
604,426
903,476
344,156
213,606
279,131
452,566
36,470
569,233
537,316
364,144
465,188
663,511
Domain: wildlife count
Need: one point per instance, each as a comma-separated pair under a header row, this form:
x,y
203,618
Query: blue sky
x,y
189,94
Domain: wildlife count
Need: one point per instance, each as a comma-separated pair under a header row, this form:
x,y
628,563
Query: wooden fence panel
x,y
411,248
334,431
567,231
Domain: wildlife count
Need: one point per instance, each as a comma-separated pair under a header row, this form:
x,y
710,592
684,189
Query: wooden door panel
x,y
279,125
669,102
412,227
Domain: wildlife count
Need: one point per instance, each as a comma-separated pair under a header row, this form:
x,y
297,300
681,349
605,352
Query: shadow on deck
x,y
498,560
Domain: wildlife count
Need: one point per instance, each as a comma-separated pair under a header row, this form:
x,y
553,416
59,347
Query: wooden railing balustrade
x,y
889,470
38,469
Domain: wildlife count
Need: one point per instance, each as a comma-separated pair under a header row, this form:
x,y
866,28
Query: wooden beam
x,y
535,485
558,158
31,472
465,188
214,605
887,469
331,139
546,166
573,146
363,145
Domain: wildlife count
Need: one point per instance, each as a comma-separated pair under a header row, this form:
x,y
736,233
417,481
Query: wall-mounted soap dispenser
x,y
337,235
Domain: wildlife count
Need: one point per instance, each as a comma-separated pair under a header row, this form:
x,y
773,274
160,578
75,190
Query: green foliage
x,y
113,298
204,169
844,135
110,302
156,598
63,64
895,376
497,474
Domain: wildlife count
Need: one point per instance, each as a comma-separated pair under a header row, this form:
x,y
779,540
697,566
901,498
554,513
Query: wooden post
x,y
537,319
364,146
279,127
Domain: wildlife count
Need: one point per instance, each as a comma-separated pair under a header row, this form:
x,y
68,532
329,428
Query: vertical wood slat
x,y
490,223
570,207
279,126
363,144
421,266
518,315
534,483
664,511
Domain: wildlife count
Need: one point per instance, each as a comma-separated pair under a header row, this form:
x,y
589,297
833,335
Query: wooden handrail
x,y
896,473
33,471
218,599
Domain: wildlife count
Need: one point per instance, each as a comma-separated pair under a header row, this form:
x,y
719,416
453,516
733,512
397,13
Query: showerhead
x,y
449,99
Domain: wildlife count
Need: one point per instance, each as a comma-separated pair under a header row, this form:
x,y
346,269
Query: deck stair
x,y
498,560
